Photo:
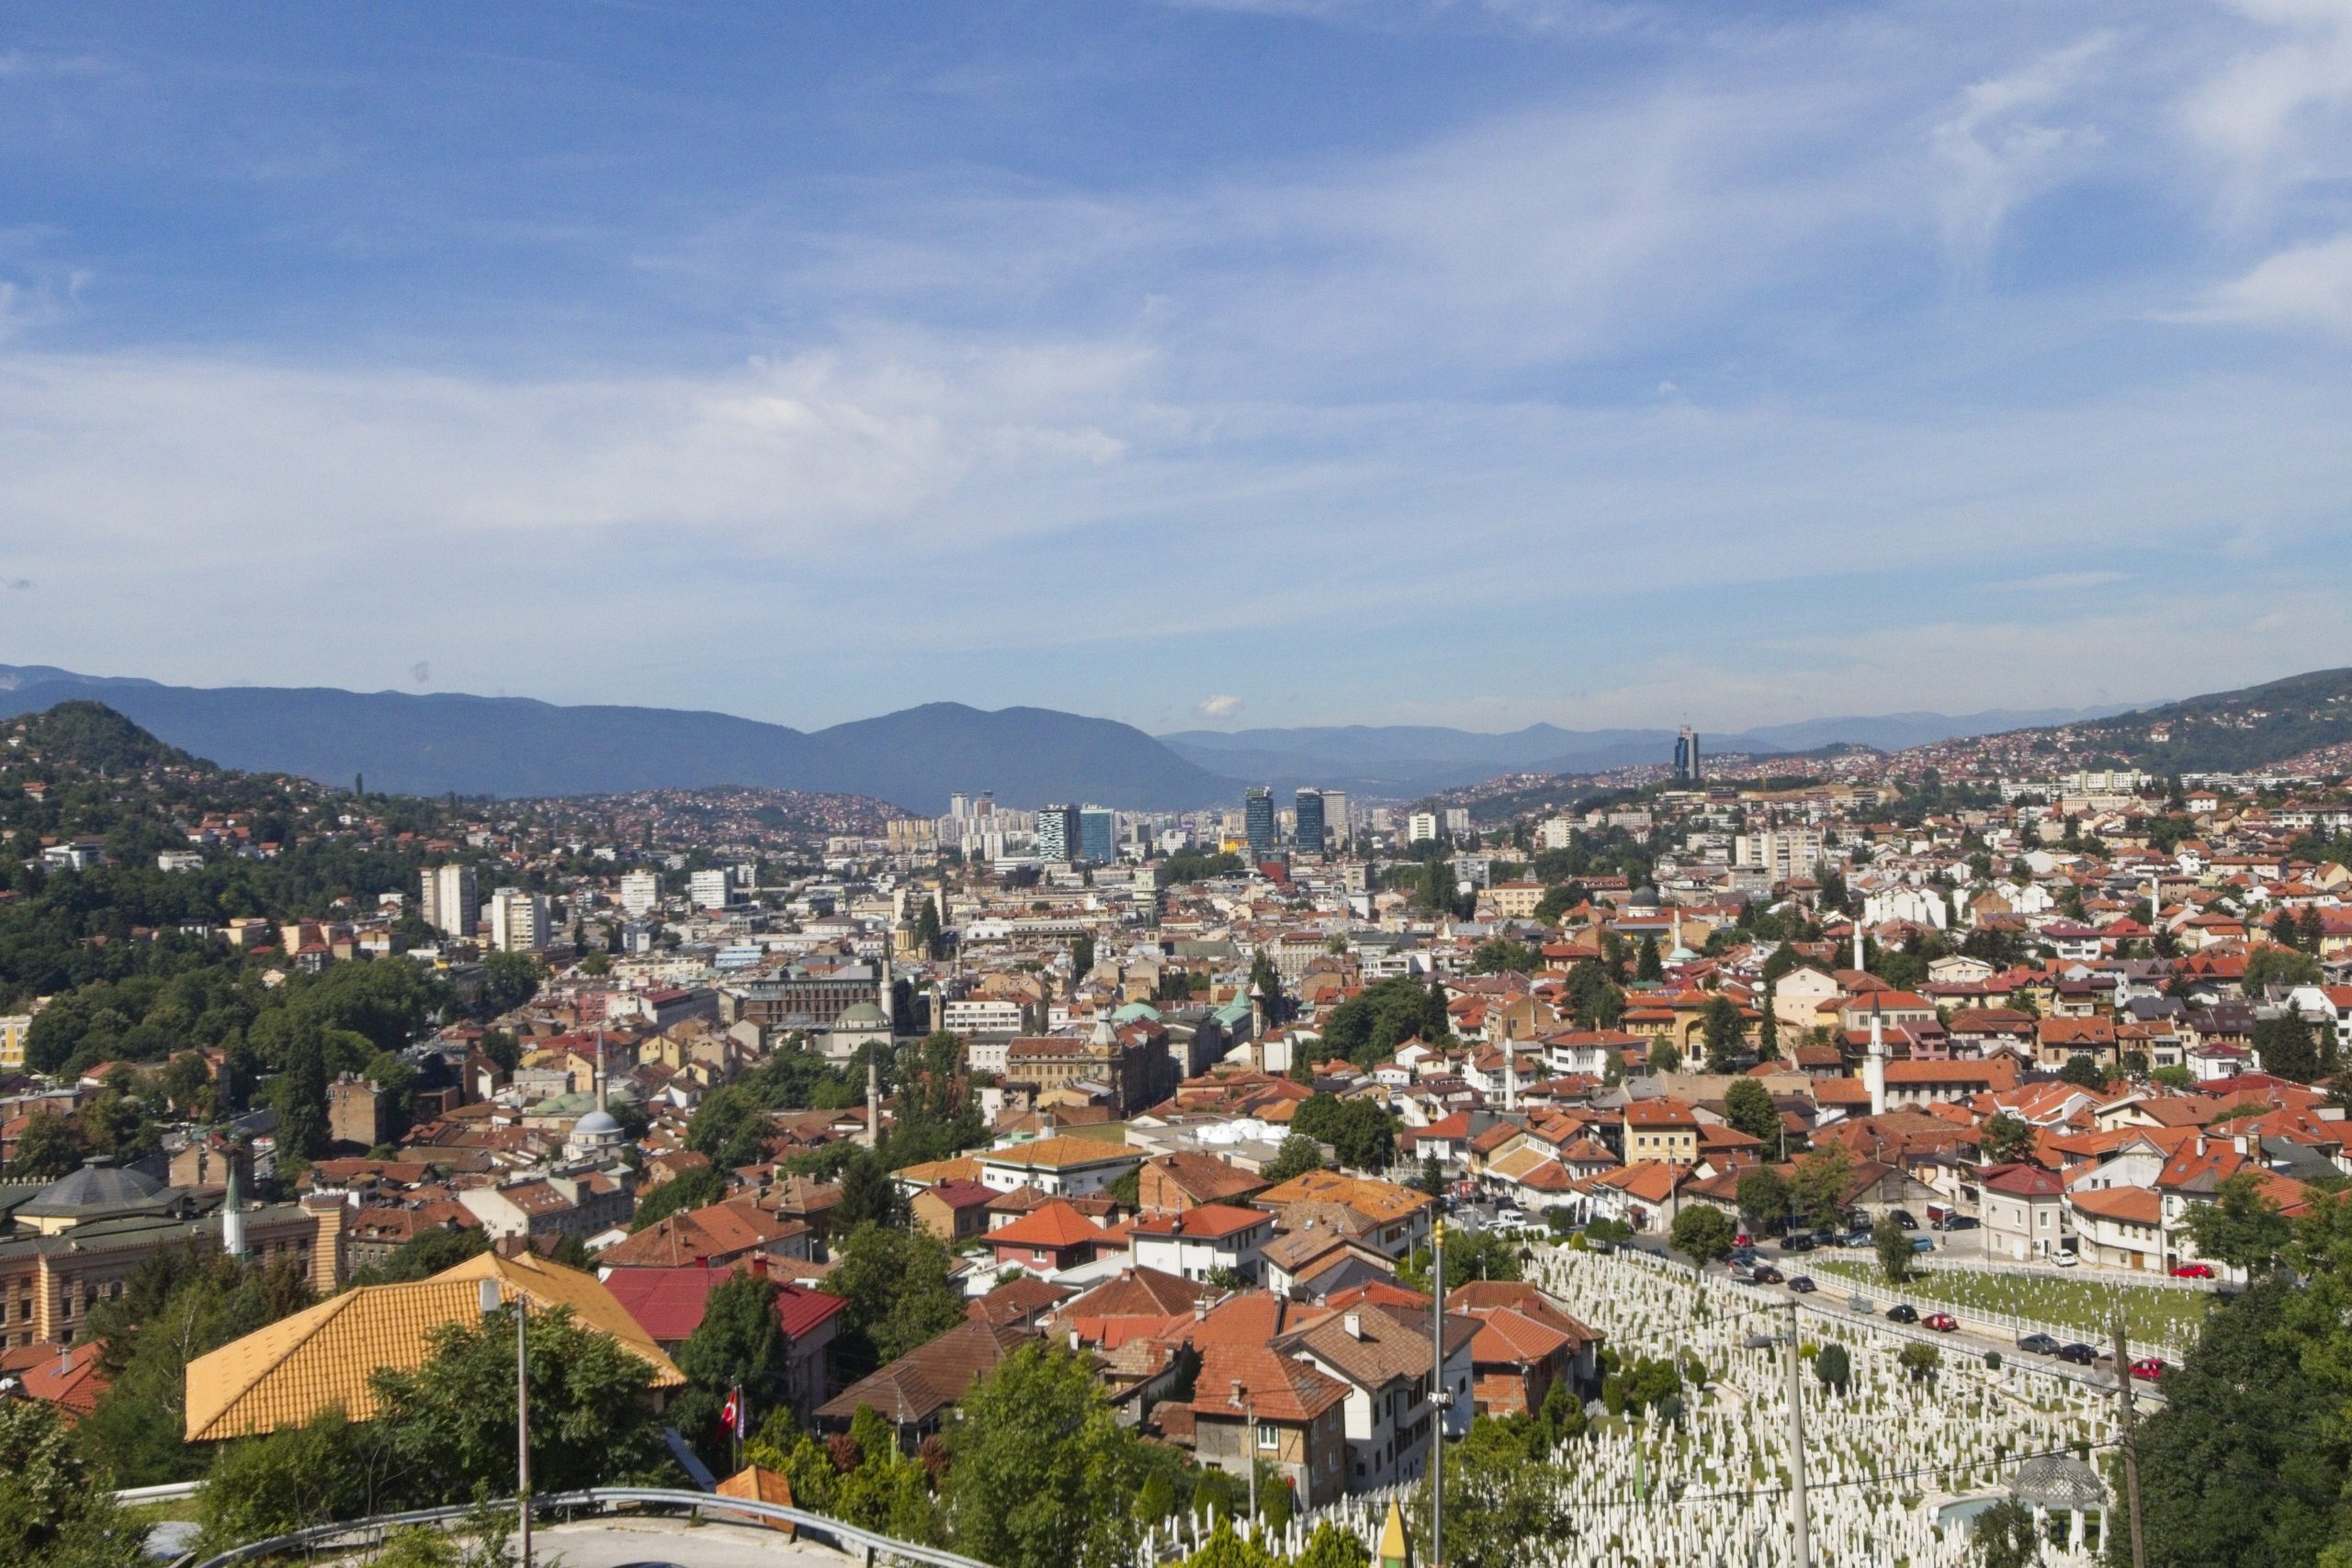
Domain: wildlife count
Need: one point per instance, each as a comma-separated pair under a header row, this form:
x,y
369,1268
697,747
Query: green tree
x,y
425,1254
2004,1536
1040,1472
1747,1106
1296,1156
1500,956
1363,1133
509,979
1497,1500
693,1189
868,1195
1664,1057
301,1097
1469,1255
2241,1227
1646,964
1834,1367
2005,1138
53,1511
2246,1461
1818,1186
1763,1196
1081,956
294,1478
448,1426
739,1344
1702,1232
2081,1071
1919,1360
899,1293
1892,1244
1724,1035
2290,1047
52,1145
1332,1547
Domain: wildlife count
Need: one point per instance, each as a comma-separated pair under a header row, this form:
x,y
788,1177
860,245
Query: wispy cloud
x,y
1218,707
2002,146
2302,287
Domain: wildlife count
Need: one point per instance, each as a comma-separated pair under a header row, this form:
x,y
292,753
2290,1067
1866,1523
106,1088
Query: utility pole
x,y
523,1424
1437,1394
2131,1441
1244,1398
1797,1516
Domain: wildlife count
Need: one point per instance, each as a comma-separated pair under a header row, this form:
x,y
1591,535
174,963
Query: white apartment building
x,y
709,889
518,920
1557,833
641,893
1782,853
452,899
1420,827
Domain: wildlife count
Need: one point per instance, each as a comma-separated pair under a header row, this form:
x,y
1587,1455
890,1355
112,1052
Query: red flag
x,y
731,1415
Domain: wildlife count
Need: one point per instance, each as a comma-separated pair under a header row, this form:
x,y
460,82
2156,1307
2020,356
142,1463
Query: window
x,y
1269,1437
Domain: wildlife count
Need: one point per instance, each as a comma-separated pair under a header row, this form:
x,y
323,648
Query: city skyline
x,y
1774,364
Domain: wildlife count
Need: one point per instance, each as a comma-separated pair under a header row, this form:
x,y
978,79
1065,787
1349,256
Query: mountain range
x,y
432,744
1410,760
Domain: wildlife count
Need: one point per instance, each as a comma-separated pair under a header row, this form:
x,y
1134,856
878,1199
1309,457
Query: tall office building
x,y
1686,755
452,899
641,891
1338,830
1098,835
1059,834
710,888
1308,834
518,920
1258,821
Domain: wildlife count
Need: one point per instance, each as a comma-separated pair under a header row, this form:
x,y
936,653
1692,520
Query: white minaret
x,y
1874,1069
232,1211
873,1101
1858,944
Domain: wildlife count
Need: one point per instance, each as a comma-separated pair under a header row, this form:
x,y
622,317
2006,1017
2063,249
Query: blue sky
x,y
1256,362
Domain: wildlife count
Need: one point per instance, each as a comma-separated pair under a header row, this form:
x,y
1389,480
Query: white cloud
x,y
2000,151
1218,707
2276,113
2303,286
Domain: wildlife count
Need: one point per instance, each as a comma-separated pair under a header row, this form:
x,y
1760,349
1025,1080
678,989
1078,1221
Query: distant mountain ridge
x,y
432,744
1415,759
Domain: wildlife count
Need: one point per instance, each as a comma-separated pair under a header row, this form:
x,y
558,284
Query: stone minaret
x,y
1874,1069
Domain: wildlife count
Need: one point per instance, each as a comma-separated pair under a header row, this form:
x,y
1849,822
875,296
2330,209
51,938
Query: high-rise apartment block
x,y
1686,756
710,889
1420,828
518,920
452,899
641,893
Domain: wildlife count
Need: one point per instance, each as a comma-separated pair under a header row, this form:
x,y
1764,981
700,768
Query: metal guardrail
x,y
131,1496
864,1544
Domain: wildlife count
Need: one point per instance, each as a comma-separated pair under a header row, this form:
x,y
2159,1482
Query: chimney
x,y
1354,1323
760,1264
1201,1310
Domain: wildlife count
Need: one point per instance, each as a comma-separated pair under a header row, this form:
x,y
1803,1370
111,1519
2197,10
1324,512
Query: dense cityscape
x,y
874,1164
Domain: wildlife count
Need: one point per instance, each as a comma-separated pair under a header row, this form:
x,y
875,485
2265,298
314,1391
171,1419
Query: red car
x,y
2192,1271
1942,1322
2148,1369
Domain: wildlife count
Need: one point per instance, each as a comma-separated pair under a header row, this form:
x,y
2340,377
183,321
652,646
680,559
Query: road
x,y
1830,1302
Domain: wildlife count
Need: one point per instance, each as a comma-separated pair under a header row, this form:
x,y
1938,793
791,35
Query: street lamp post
x,y
522,1412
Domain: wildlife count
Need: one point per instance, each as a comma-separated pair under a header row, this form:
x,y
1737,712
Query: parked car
x,y
1743,1273
2065,1260
2148,1369
2038,1344
1902,1313
1767,1275
1923,1244
1942,1322
1742,1240
1962,1222
1802,1284
1797,1242
2079,1353
2192,1271
1902,1217
1859,1236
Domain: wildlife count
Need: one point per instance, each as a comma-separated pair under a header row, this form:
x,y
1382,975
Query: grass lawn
x,y
2084,1304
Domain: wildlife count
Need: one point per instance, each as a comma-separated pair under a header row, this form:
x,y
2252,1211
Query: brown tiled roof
x,y
1393,1345
1053,1224
1279,1387
1020,1300
926,1380
715,1230
1205,1179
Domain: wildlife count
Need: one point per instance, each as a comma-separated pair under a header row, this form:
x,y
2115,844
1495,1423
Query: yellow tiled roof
x,y
285,1374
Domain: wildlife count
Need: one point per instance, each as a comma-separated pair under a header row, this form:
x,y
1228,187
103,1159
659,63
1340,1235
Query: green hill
x,y
2225,731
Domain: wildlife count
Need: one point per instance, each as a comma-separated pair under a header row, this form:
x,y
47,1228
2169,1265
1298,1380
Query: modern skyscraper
x,y
1098,834
1309,832
452,899
1060,835
1686,755
1338,830
1258,821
